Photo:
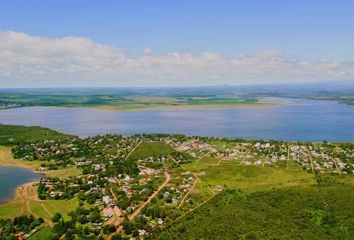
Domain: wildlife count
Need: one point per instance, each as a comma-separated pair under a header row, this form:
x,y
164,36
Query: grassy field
x,y
248,178
43,208
44,233
151,149
54,206
6,159
64,172
11,209
12,134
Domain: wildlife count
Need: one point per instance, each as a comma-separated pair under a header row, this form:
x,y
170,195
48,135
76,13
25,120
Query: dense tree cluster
x,y
12,229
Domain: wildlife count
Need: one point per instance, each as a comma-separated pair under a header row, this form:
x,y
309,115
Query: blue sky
x,y
308,30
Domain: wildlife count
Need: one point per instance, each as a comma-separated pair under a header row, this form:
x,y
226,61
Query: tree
x,y
107,229
116,237
56,217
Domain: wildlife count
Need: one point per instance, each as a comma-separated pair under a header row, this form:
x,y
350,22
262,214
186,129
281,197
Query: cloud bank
x,y
27,61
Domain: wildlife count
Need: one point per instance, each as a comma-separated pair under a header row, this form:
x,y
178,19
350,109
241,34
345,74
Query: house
x,y
107,200
219,188
141,232
108,212
53,194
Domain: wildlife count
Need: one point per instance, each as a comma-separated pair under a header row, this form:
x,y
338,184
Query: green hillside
x,y
13,134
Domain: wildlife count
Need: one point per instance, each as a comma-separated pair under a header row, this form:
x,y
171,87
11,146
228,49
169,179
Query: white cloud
x,y
75,61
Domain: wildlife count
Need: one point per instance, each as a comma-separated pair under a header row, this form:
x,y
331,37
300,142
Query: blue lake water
x,y
11,178
300,120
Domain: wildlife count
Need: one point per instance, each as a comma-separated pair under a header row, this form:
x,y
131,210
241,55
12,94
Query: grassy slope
x,y
13,134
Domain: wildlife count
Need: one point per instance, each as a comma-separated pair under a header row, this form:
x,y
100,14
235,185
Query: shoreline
x,y
170,107
21,192
6,160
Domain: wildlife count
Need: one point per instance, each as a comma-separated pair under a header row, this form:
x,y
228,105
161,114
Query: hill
x,y
13,134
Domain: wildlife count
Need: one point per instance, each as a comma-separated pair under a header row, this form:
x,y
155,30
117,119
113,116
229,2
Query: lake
x,y
298,120
11,178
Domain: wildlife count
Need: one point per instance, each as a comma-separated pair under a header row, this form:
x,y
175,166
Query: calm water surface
x,y
301,120
11,178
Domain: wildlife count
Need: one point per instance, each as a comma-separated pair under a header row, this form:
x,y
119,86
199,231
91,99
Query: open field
x,y
151,149
63,173
254,178
11,209
44,233
6,159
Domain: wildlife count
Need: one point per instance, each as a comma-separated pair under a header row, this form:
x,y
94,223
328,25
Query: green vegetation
x,y
12,134
10,209
292,213
151,149
253,178
15,228
43,234
126,99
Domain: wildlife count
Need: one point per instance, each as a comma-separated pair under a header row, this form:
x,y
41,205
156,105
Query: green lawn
x,y
37,209
58,206
43,234
64,172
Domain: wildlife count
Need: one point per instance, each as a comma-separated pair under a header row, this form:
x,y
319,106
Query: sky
x,y
52,43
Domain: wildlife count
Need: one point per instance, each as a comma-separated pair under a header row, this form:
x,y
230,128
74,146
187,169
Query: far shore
x,y
173,107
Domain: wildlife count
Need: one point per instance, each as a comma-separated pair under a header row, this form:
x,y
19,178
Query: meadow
x,y
151,149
